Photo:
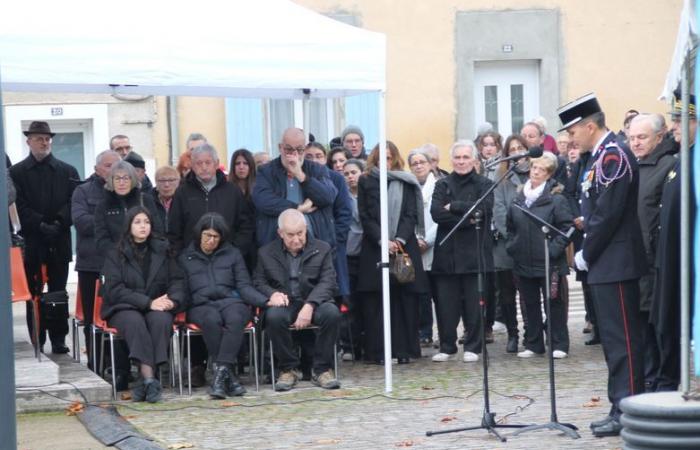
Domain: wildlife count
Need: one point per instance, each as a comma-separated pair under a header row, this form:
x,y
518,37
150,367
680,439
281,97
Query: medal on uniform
x,y
587,182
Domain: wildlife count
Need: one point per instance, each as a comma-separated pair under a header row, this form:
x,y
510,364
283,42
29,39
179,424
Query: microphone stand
x,y
488,421
553,424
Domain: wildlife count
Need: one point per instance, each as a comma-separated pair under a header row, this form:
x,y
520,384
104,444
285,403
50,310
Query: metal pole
x,y
384,219
685,232
8,423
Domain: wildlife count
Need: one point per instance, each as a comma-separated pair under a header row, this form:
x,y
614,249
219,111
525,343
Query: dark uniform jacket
x,y
572,191
459,253
127,288
612,235
369,208
86,197
525,237
110,216
44,191
220,277
317,282
192,201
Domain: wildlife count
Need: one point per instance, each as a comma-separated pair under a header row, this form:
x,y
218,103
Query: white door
x,y
506,94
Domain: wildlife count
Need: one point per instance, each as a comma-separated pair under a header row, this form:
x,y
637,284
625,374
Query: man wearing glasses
x,y
44,189
289,181
122,145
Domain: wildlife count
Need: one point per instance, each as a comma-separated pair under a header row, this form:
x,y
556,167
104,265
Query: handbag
x,y
401,266
54,305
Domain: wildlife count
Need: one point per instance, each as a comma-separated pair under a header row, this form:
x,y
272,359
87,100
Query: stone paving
x,y
426,396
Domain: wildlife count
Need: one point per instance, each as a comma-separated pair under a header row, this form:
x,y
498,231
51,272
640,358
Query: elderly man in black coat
x,y
610,251
655,156
44,189
296,274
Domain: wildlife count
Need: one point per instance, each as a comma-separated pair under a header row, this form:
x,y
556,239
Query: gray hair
x,y
290,215
122,166
464,143
195,137
657,121
418,151
540,130
484,128
432,150
205,148
100,156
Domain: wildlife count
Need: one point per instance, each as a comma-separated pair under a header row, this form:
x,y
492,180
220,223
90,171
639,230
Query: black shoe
x,y
512,345
233,386
218,386
599,423
138,392
59,349
154,390
611,428
403,360
122,381
488,336
198,376
595,340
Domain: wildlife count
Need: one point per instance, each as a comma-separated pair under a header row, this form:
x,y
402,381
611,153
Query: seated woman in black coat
x,y
143,290
542,196
221,298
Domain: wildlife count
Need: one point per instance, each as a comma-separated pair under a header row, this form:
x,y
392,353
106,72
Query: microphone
x,y
533,152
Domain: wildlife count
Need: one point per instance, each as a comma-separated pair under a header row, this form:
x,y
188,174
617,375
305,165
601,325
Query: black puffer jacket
x,y
219,277
525,238
125,286
111,212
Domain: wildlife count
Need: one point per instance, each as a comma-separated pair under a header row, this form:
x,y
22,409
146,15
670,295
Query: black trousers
x,y
57,274
651,353
147,335
669,373
506,292
590,306
490,297
223,325
354,323
532,291
459,298
277,322
620,329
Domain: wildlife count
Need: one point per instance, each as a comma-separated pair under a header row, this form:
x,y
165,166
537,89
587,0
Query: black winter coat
x,y
110,215
526,240
459,253
219,277
192,201
368,205
86,197
125,287
317,283
44,191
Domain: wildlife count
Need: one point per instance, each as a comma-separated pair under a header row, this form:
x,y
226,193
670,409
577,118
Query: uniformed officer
x,y
611,250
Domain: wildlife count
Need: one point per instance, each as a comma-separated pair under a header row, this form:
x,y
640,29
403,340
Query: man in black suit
x,y
612,252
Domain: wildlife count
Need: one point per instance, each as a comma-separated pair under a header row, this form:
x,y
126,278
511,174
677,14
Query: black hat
x,y
579,109
135,160
677,105
39,128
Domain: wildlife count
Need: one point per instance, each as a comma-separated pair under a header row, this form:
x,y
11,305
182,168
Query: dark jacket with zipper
x,y
459,253
526,240
126,288
219,277
110,215
192,201
317,281
85,199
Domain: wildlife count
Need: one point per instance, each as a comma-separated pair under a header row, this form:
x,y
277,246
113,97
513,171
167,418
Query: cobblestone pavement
x,y
426,396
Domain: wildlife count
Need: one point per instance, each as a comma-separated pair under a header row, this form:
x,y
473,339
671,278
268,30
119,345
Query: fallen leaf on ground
x,y
328,441
405,443
448,419
130,417
591,404
427,388
74,408
125,395
180,445
229,404
338,393
595,399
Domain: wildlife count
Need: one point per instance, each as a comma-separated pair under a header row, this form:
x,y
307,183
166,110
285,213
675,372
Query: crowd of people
x,y
296,239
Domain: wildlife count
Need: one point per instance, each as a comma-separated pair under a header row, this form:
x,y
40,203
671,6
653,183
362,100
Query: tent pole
x,y
685,232
173,130
8,422
384,219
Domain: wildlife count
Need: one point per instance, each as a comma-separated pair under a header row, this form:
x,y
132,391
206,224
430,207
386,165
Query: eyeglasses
x,y
289,150
210,237
167,180
418,163
119,179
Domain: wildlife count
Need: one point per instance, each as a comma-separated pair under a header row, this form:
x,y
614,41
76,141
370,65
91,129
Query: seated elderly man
x,y
296,274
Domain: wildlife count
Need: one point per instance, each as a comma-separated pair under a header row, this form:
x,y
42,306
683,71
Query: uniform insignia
x,y
671,175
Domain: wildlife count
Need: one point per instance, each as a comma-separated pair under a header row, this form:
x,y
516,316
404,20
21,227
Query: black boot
x,y
218,386
233,386
512,345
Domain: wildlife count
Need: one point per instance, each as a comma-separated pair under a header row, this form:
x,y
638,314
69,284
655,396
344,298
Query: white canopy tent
x,y
239,48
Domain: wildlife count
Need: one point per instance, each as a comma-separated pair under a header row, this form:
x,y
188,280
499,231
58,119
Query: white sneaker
x,y
347,356
470,357
526,354
559,354
442,357
498,327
